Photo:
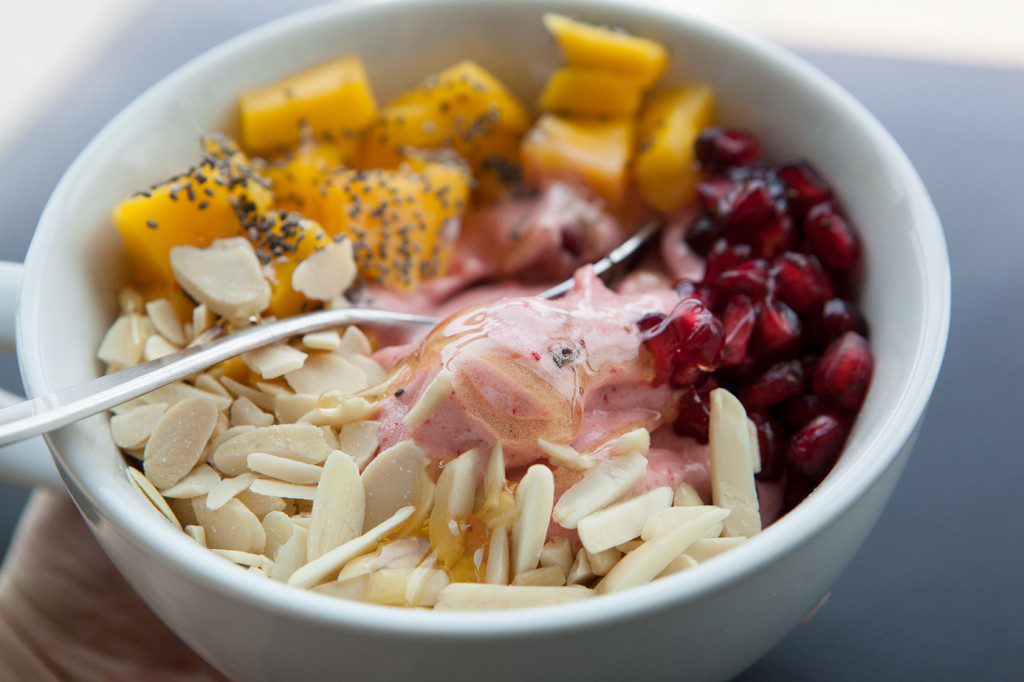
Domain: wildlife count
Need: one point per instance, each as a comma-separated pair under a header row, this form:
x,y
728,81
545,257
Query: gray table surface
x,y
938,590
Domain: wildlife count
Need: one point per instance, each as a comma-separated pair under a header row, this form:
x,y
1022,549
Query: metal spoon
x,y
60,408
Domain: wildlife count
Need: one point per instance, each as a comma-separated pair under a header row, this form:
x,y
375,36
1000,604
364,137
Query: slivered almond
x,y
564,455
177,441
599,487
172,394
246,412
245,558
482,597
290,556
353,342
637,440
196,533
686,496
352,590
150,492
301,520
645,562
290,491
227,489
278,528
326,273
274,361
290,408
708,548
557,552
339,506
629,546
494,479
327,340
453,503
326,371
391,480
732,471
161,314
683,562
207,382
437,391
331,438
342,412
197,482
665,520
534,499
405,552
272,389
602,562
622,521
423,586
755,446
265,401
302,442
202,320
359,440
331,562
157,347
219,438
226,277
121,346
580,572
405,586
284,469
231,526
261,505
497,571
550,576
373,370
131,429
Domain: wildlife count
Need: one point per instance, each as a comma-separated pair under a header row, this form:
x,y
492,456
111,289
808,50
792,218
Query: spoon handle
x,y
60,408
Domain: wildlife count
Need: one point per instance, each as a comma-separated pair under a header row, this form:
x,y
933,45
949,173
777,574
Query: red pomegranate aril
x,y
844,371
687,288
831,237
800,409
780,381
805,188
724,256
738,320
801,282
837,317
685,374
702,234
699,333
749,278
778,329
773,238
695,411
717,148
571,242
713,190
814,448
749,206
769,439
660,340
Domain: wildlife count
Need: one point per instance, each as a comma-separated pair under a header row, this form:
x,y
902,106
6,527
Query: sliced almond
x,y
236,388
202,320
708,548
291,555
278,528
172,394
683,562
391,480
482,597
534,499
354,342
326,273
226,277
453,503
274,361
648,560
405,586
157,347
437,391
245,558
580,572
423,586
341,413
665,520
231,526
290,408
132,429
227,489
197,534
637,440
129,300
261,505
284,469
375,373
221,437
165,319
599,487
557,552
207,382
686,496
564,455
331,562
352,590
120,346
732,471
602,562
629,546
326,371
290,491
494,479
339,506
550,576
497,571
302,442
405,552
197,482
755,446
246,412
622,521
359,440
150,492
327,340
177,441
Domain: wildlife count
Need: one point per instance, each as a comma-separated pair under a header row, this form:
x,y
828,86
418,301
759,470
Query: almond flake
x,y
231,526
197,534
291,491
150,492
120,346
341,413
453,503
599,487
328,340
197,482
405,586
245,558
132,429
629,546
637,440
755,446
284,468
177,441
557,552
202,320
622,521
602,562
172,394
391,480
373,370
732,471
326,273
165,320
326,371
359,440
497,571
666,519
271,362
354,342
683,562
648,560
437,391
157,347
226,277
564,455
708,548
129,301
245,412
580,572
352,590
302,442
494,479
549,576
291,556
264,401
686,496
534,499
279,528
482,597
207,382
339,506
261,504
290,408
227,489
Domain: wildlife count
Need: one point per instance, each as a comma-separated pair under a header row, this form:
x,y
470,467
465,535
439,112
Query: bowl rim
x,y
812,516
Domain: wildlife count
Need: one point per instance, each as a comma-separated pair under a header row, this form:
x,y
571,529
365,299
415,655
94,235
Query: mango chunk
x,y
298,178
668,127
333,99
584,91
592,153
210,200
282,240
610,49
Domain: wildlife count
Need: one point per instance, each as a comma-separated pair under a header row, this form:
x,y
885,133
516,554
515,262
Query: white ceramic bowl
x,y
707,623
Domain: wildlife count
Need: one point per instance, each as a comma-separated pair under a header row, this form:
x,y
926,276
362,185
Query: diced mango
x,y
610,49
592,153
594,92
298,178
208,201
668,127
332,99
402,222
282,240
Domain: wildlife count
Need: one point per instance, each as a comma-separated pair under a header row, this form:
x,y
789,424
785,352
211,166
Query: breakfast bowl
x,y
710,622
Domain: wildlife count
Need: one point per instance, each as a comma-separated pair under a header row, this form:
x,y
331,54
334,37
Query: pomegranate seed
x,y
718,148
837,317
724,256
687,288
773,238
804,187
814,448
749,278
832,238
659,338
801,409
778,329
571,242
699,333
801,283
769,437
738,320
844,372
695,411
780,381
749,206
701,234
685,374
712,191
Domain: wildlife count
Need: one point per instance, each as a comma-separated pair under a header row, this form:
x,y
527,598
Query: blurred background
x,y
938,590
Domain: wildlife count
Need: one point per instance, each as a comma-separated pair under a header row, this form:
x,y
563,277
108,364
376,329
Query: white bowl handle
x,y
29,462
